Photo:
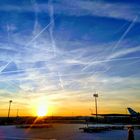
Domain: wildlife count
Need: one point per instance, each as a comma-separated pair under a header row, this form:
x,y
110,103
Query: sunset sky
x,y
58,53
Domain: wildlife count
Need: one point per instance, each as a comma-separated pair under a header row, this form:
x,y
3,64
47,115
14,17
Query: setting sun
x,y
42,110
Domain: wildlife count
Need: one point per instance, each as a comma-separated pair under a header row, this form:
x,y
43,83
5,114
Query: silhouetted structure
x,y
96,95
130,133
9,108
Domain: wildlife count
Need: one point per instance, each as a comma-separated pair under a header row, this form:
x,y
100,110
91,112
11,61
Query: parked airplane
x,y
132,113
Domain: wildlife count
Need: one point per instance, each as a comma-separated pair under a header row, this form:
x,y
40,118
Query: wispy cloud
x,y
123,52
118,10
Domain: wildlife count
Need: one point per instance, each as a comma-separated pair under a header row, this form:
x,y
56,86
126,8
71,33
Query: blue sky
x,y
66,50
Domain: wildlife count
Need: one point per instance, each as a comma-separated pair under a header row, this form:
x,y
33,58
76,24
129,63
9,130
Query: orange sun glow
x,y
42,110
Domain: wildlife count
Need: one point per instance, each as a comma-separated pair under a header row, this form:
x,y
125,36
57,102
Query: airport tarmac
x,y
61,132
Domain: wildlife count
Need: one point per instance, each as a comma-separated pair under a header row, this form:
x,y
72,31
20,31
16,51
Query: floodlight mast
x,y
9,108
96,95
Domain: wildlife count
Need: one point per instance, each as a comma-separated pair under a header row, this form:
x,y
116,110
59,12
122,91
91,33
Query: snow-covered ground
x,y
61,132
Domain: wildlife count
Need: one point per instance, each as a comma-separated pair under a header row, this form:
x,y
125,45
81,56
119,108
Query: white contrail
x,y
124,52
46,27
38,77
67,75
36,9
35,37
116,45
4,67
60,81
8,32
109,60
51,14
23,70
125,33
13,85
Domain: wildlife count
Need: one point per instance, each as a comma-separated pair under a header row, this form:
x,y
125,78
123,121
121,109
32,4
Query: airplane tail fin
x,y
132,112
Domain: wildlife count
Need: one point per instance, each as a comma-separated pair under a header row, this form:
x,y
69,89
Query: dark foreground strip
x,y
18,138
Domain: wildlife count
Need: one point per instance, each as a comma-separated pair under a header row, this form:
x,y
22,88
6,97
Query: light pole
x,y
96,95
9,108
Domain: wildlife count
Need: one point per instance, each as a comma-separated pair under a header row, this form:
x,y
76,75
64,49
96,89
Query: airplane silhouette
x,y
132,113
